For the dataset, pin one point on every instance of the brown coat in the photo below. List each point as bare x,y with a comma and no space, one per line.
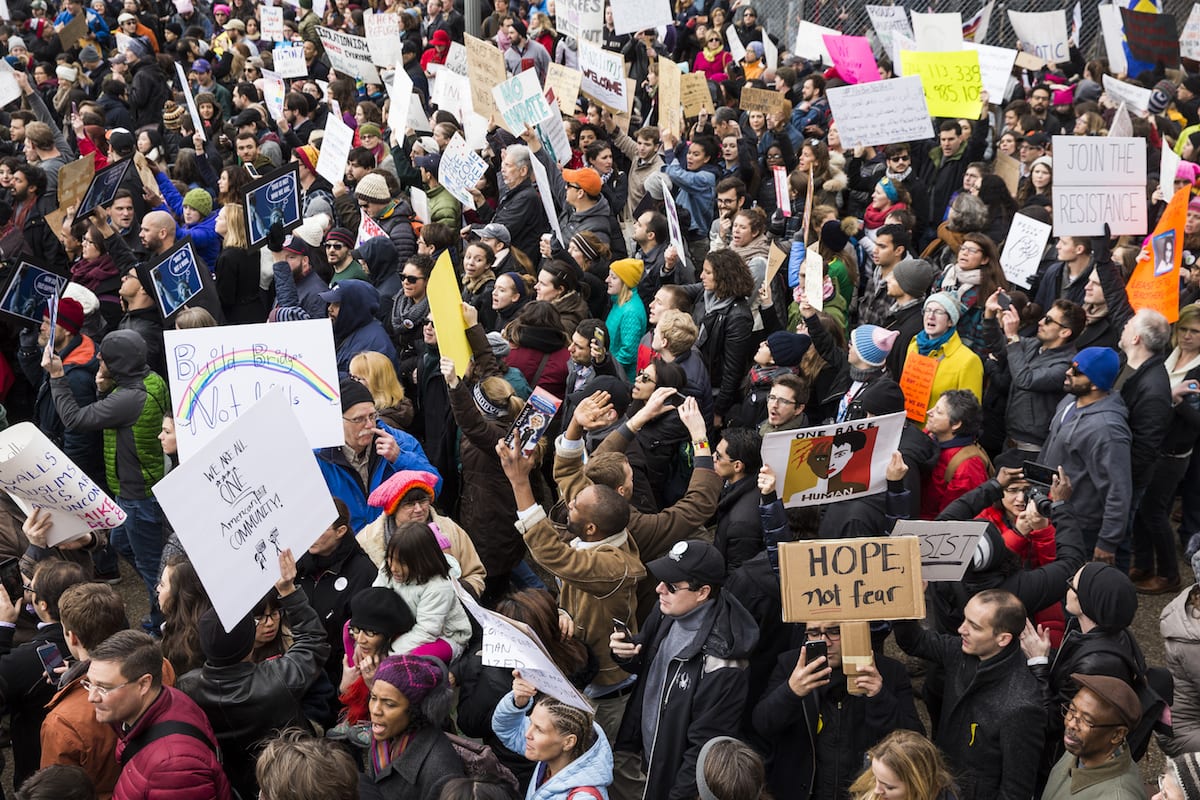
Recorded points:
370,539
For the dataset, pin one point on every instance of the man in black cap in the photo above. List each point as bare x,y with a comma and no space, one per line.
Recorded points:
523,53
246,702
443,206
297,285
691,661
1098,764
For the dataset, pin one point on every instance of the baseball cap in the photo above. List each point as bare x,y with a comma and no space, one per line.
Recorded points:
587,179
294,244
694,561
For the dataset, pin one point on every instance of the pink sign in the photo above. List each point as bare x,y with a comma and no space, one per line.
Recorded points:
853,58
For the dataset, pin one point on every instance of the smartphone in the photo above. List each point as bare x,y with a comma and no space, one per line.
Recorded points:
1039,473
252,170
815,650
598,338
620,627
1004,301
74,109
51,658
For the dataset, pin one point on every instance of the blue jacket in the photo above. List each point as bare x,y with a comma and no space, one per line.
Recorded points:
695,191
344,483
593,768
356,328
204,233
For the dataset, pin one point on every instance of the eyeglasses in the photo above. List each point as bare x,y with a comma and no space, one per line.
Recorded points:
831,634
103,691
642,377
683,587
365,419
714,41
899,158
355,631
28,588
1070,712
412,278
417,502
334,246
1049,320
262,619
1189,331
936,312
970,249
575,186
774,398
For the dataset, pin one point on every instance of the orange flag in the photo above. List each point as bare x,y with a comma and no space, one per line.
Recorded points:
1155,280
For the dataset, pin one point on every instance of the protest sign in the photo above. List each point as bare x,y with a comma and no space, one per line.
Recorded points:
274,92
631,16
533,421
565,83
1189,40
952,81
1168,165
1042,33
512,645
9,88
445,308
888,20
289,61
1112,30
881,112
249,494
946,547
456,59
216,374
543,184
520,101
766,101
451,92
36,474
1134,97
369,228
1023,249
74,177
916,382
348,54
995,69
103,188
810,41
197,123
830,463
583,19
485,68
1121,125
737,50
177,278
937,32
674,230
383,38
694,94
460,170
670,108
775,259
853,58
603,77
1151,36
335,149
975,28
1099,180
275,197
72,31
770,50
420,204
857,580
552,133
28,291
814,275
782,201
1155,280
272,23
475,128
143,170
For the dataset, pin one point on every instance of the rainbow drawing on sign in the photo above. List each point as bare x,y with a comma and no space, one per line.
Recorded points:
258,358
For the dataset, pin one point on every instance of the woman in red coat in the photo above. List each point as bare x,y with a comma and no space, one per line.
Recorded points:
953,423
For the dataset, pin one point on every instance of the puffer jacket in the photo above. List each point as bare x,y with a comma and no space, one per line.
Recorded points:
594,768
739,533
725,343
396,220
357,328
1182,634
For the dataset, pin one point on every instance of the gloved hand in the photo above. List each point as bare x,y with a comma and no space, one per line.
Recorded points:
275,237
1102,246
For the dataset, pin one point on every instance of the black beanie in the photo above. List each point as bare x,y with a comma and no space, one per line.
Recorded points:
353,393
882,396
223,649
381,610
1106,596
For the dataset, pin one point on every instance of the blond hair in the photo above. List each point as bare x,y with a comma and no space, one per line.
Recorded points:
915,760
678,330
380,376
235,225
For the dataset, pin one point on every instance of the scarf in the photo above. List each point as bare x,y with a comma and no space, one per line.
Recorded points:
714,304
473,285
1178,372
1095,312
962,282
926,345
384,753
898,176
874,217
714,55
759,247
412,313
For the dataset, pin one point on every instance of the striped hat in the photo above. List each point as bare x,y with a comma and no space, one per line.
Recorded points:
308,156
1186,769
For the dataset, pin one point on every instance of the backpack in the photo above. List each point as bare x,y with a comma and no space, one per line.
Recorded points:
480,762
970,451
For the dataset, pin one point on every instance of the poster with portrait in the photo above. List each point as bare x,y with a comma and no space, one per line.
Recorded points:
29,290
533,420
177,278
103,188
275,197
832,463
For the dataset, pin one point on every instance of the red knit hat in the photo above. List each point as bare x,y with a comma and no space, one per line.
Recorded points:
392,491
308,156
70,315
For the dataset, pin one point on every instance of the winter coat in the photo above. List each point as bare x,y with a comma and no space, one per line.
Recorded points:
1116,779
148,93
1147,395
237,275
909,321
205,240
444,207
24,693
176,765
943,175
600,219
528,360
739,532
439,613
471,571
626,323
356,329
396,220
725,344
1037,381
427,764
970,472
694,191
1182,634
329,583
593,768
520,210
958,368
71,735
572,309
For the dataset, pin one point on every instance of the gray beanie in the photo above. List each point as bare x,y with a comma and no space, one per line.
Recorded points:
949,302
914,275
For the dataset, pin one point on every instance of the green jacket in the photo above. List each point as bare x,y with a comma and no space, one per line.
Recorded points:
1116,779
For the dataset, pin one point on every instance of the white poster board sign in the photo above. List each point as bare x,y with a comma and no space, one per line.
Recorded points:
770,51
9,90
631,16
737,50
1168,165
383,38
451,92
543,184
1099,180
335,149
1189,40
460,170
946,547
420,204
1112,27
673,227
274,93
1042,33
582,19
216,374
400,91
1135,98
247,495
995,69
289,61
881,112
1121,125
36,474
810,41
272,23
197,123
1023,249
937,32
604,77
349,55
888,20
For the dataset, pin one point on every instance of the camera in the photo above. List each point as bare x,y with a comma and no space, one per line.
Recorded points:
1037,496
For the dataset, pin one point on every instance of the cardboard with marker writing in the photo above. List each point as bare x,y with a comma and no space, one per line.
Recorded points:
863,579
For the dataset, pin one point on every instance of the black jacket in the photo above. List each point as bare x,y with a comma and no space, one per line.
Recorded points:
330,582
818,742
1147,395
725,343
520,210
24,693
427,764
148,93
908,321
704,696
739,531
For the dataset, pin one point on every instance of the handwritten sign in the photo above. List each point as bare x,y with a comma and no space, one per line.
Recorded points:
946,547
952,81
335,149
916,381
565,83
451,92
1099,180
853,58
485,68
582,19
75,29
603,77
250,493
74,178
1023,249
1134,97
1042,33
830,463
670,106
460,170
887,21
383,38
348,54
881,112
631,16
995,69
814,276
694,94
216,374
1189,40
858,580
937,32
289,61
272,23
765,101
520,101
36,474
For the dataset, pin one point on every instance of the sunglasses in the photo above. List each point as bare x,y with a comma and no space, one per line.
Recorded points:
334,246
672,588
412,278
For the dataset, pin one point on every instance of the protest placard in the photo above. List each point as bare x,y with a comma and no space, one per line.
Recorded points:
937,32
451,92
1023,249
975,28
272,23
215,374
814,275
583,19
72,31
1042,33
74,177
674,230
853,58
456,59
995,69
103,188
1154,283
830,463
520,101
274,92
1121,125
1189,40
36,474
810,41
1099,180
420,204
1134,97
552,133
348,54
565,83
275,197
369,228
252,492
770,50
9,88
28,290
857,580
737,50
289,61
543,183
460,170
881,112
694,94
952,81
512,645
335,149
475,129
632,16
197,123
946,547
766,101
603,77
1168,165
485,68
445,308
177,278
383,38
1151,36
888,20
775,260
1112,31
670,108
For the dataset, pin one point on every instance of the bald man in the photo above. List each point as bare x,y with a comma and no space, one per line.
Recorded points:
157,233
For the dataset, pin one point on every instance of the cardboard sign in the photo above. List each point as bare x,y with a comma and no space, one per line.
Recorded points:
383,38
853,57
603,77
1043,34
289,61
543,183
485,68
1134,97
775,260
250,493
810,41
946,547
1023,249
335,149
766,101
275,197
858,580
1009,170
72,32
937,32
995,69
952,81
1151,37
1189,40
103,188
176,278
694,94
631,16
565,83
582,19
1099,180
1155,280
831,463
887,21
445,308
36,474
349,55
29,289
520,101
670,107
216,374
881,112
74,177
916,381
460,170
272,23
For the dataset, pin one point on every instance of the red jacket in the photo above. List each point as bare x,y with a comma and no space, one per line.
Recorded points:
938,494
175,767
1035,550
554,375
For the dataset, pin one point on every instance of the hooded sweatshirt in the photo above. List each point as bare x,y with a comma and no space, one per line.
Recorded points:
593,768
356,328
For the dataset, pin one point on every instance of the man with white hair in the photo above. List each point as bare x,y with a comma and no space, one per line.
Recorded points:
520,208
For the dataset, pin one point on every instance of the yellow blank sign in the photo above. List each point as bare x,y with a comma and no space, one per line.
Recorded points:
445,306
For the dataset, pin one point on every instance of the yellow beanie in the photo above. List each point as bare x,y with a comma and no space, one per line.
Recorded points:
629,270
